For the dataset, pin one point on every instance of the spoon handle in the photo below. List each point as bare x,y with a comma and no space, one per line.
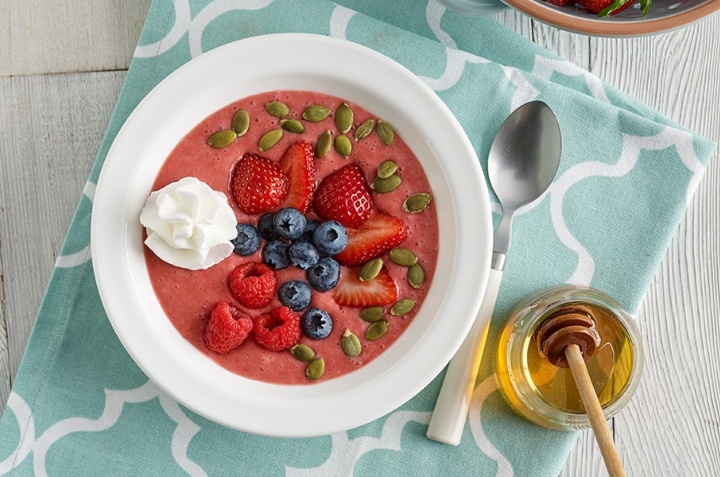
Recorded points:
448,418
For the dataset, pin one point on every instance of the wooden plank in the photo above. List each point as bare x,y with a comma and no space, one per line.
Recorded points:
47,36
5,38
51,127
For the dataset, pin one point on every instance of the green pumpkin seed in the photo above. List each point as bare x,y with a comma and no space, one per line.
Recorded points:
377,330
383,186
292,125
364,130
222,138
315,113
403,256
402,307
344,118
416,276
241,122
277,108
323,144
370,270
385,132
315,369
372,314
269,139
302,352
350,344
417,203
343,146
386,169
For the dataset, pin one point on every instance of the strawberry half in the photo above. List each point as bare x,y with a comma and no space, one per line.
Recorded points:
344,196
258,184
381,290
298,163
378,234
227,329
606,7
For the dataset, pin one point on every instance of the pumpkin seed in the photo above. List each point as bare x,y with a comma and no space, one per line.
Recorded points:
315,369
269,139
385,132
315,113
222,138
350,344
302,352
241,122
372,314
403,256
323,144
370,270
416,276
292,125
402,307
377,330
386,169
343,146
417,203
344,118
364,130
277,109
383,186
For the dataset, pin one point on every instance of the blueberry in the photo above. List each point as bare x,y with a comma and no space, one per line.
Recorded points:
316,323
295,295
303,255
289,223
265,226
275,254
325,275
247,241
330,238
310,227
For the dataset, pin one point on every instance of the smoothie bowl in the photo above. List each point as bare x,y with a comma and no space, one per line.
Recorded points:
344,240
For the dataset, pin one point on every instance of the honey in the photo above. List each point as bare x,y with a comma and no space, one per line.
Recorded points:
547,394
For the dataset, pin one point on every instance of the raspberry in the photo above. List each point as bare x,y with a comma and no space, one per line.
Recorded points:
253,284
278,329
227,329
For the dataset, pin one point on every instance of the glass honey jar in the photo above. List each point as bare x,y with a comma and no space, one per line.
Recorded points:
546,394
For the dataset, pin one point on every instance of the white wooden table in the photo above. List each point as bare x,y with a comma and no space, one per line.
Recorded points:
63,62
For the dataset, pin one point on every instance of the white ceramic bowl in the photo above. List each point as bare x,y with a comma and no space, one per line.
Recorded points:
299,62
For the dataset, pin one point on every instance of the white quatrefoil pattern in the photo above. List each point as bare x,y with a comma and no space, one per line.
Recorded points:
80,406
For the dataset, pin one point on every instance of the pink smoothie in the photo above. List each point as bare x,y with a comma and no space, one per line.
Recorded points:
188,296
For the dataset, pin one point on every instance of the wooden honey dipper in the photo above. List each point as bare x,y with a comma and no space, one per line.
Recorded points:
567,338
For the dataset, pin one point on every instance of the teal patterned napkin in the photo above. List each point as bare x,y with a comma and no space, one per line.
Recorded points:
80,405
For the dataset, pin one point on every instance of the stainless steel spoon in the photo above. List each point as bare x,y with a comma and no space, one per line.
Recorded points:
522,163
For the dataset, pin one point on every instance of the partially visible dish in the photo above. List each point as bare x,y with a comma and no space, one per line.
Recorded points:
661,15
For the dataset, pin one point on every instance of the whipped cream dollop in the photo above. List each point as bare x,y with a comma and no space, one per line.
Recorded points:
189,224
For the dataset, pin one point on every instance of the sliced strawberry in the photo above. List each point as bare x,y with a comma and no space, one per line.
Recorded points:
606,7
253,284
227,329
381,290
298,163
278,329
258,184
379,234
344,196
559,3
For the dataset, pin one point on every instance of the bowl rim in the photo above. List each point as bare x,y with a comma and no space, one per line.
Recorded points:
539,10
179,368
